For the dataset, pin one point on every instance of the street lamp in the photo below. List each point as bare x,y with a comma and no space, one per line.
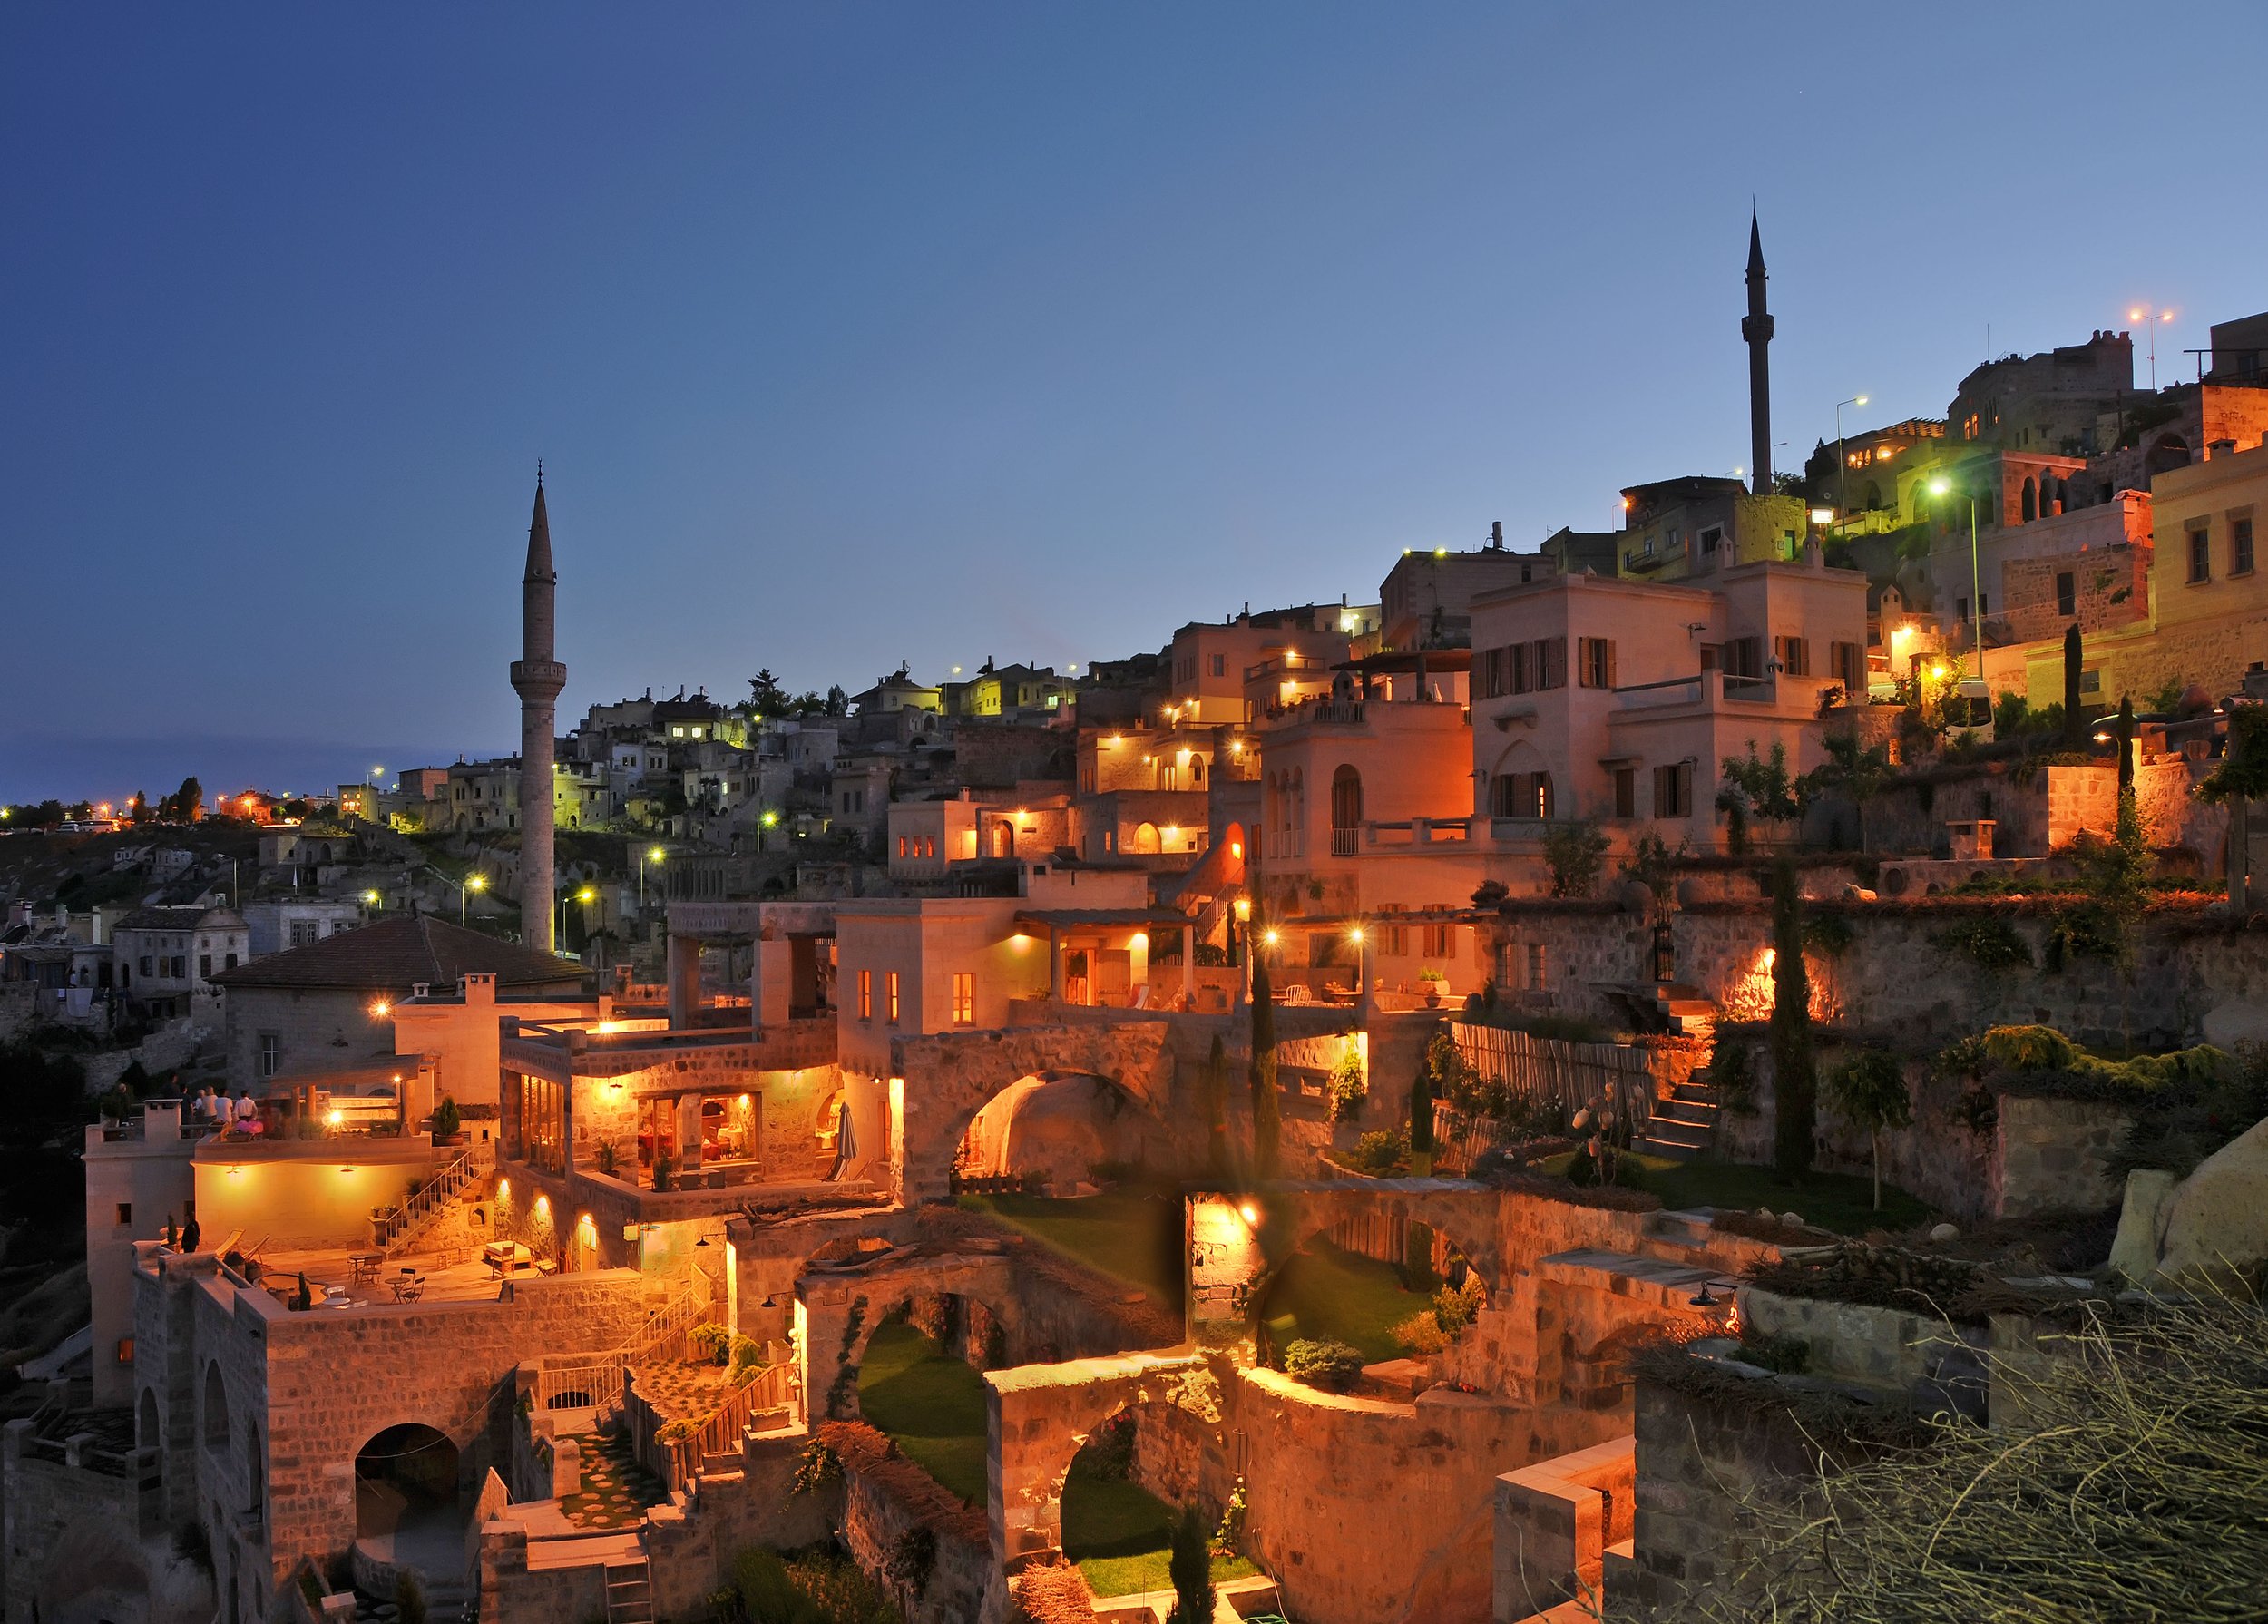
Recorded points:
652,854
2150,318
475,881
1843,460
1939,487
371,899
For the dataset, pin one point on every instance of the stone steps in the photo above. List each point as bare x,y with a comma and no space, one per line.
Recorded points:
1652,1280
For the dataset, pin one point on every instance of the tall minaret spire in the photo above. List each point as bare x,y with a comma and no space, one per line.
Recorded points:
539,677
1756,328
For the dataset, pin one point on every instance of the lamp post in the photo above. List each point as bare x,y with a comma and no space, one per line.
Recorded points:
652,854
1939,487
1843,463
2150,316
587,895
474,880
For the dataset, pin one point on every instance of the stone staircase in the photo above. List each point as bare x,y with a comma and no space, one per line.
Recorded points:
449,1184
1682,1127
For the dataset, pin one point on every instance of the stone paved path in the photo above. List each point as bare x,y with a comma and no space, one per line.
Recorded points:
616,1490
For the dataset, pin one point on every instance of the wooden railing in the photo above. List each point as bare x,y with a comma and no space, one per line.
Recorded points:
663,1336
1615,1076
771,1388
398,1227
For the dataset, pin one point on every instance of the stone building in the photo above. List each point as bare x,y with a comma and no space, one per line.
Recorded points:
170,960
333,998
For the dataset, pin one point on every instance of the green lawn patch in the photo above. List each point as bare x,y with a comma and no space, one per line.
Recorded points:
1133,1235
1335,1293
1842,1202
931,1405
1118,1533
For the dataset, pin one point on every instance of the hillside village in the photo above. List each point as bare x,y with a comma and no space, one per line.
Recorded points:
1492,1096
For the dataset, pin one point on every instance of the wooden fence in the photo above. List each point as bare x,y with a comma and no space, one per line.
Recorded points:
1614,1077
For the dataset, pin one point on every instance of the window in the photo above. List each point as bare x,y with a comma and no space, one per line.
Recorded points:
1795,653
204,967
2091,681
228,961
1523,794
964,999
125,1214
1625,792
1849,662
866,995
2200,556
1711,539
894,997
1744,657
270,1052
142,964
1440,941
1393,941
1220,665
1595,661
2241,546
2067,594
1524,667
1672,791
542,1113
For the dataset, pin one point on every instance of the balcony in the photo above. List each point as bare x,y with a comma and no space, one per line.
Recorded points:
1344,843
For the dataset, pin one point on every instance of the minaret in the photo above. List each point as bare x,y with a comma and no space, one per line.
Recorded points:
538,678
1756,328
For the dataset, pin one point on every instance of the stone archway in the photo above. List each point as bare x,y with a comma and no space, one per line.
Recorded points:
1038,1417
1048,1131
409,1504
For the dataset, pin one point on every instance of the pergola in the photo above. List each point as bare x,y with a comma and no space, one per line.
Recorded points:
1068,929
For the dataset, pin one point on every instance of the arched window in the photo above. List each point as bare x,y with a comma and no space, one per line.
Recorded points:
1146,839
2030,502
1346,799
147,1427
216,1431
1874,494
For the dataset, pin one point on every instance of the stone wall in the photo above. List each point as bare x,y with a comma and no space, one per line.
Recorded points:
887,1499
1921,1357
70,1543
2055,1154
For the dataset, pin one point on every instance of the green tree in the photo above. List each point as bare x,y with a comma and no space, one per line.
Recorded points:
188,800
2241,779
1859,770
1869,1088
1760,789
1268,1129
1794,1077
1575,852
1422,1119
1217,1107
2074,657
1190,1567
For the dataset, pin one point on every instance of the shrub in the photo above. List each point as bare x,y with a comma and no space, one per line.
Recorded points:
1189,1565
1988,944
1575,852
1322,1362
816,1468
911,1559
1454,1306
1420,1334
1870,1089
747,1353
676,1432
409,1598
710,1340
447,1119
1378,1153
1350,1082
1732,1072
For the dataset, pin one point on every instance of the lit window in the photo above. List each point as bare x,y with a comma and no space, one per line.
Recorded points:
964,999
866,995
894,998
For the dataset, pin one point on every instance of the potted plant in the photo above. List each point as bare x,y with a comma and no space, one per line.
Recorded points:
1433,984
447,1122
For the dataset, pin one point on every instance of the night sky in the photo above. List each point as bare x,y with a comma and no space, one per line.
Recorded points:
850,334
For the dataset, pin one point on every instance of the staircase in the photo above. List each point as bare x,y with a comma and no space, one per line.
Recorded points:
1683,1126
397,1231
1686,1011
629,1592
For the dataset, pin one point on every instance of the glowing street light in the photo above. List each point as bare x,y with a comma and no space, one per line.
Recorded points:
2152,318
475,881
371,899
652,854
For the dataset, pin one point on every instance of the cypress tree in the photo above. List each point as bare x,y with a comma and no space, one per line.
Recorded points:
1794,1077
1268,1129
1190,1567
2074,729
1217,1107
1422,1119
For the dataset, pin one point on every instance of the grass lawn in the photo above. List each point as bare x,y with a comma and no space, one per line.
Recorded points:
1842,1202
1131,1234
1337,1293
932,1404
1117,1532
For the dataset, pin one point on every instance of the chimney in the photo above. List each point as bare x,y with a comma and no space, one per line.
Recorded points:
1496,535
2219,448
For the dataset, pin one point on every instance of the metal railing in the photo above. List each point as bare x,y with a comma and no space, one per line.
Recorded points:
719,1433
1345,842
404,1223
581,1380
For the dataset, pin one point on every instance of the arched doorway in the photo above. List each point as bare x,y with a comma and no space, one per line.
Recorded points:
407,1498
1048,1133
1146,839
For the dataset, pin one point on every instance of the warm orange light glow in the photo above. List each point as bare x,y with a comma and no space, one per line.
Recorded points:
381,1010
1355,935
1269,938
1250,1213
1235,848
335,1118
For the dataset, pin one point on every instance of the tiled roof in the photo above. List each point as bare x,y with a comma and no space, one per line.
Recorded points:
395,954
164,919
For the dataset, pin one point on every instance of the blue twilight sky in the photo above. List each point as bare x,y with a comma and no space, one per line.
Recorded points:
851,333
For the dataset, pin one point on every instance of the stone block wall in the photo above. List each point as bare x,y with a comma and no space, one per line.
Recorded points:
1916,1355
887,1499
2056,1154
69,1549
